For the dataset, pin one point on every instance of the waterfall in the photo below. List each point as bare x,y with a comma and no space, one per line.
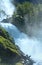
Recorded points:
6,9
31,46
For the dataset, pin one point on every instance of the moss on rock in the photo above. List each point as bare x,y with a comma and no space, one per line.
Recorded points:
9,53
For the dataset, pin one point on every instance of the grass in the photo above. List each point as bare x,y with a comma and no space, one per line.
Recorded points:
5,34
8,50
8,45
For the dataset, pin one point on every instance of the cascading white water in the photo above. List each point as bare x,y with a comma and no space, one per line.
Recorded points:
30,46
7,7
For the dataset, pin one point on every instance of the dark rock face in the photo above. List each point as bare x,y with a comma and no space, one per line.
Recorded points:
5,20
7,56
36,1
33,1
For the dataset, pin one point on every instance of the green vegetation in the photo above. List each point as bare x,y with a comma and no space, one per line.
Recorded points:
33,12
5,34
19,63
10,54
27,14
6,44
8,50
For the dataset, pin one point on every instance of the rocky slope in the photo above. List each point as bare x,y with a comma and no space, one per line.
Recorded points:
8,50
10,54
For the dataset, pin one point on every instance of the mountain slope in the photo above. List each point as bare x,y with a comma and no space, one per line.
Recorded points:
10,54
8,50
